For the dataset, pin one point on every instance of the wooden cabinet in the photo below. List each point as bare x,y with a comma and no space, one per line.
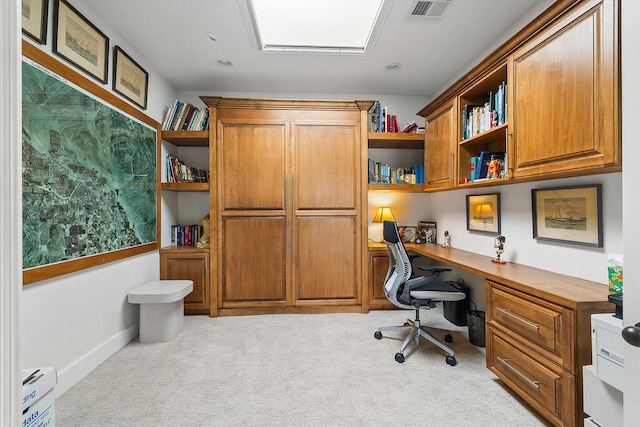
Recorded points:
565,116
406,142
441,147
289,205
189,262
184,263
378,268
562,77
537,342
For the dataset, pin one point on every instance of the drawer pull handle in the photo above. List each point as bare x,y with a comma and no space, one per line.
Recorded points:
536,326
536,384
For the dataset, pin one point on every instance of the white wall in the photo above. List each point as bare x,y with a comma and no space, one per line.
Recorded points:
77,321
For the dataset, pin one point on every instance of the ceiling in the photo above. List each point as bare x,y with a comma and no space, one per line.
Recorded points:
171,36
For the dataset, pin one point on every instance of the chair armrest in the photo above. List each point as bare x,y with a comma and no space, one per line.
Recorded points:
434,269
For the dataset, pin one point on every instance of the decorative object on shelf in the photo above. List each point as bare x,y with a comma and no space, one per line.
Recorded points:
447,240
204,241
80,42
498,245
483,213
408,233
427,232
34,19
568,214
129,79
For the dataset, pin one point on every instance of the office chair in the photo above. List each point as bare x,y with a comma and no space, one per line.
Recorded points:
410,292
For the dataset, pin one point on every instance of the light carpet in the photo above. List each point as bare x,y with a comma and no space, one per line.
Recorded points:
293,370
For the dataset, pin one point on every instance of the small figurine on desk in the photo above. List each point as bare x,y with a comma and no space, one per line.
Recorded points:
499,247
447,240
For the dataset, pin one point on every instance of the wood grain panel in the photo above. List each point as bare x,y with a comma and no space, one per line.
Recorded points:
253,259
188,266
440,143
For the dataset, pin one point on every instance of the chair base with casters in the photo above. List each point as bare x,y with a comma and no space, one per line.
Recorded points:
415,331
411,292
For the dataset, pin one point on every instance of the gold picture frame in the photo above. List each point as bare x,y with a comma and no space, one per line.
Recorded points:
483,213
80,42
34,19
568,214
129,79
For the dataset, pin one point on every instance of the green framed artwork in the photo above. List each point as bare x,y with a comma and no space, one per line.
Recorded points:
89,177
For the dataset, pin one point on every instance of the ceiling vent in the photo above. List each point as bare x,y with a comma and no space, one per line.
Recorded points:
429,11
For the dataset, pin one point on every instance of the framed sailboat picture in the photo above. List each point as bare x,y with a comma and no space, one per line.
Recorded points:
568,214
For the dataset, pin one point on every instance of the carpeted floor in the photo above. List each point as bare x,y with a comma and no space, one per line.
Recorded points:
293,370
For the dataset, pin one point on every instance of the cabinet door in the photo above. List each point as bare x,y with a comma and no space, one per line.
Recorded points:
189,266
326,260
378,268
252,164
327,165
253,261
440,143
565,95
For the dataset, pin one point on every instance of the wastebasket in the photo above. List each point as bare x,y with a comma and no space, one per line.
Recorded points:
455,311
475,321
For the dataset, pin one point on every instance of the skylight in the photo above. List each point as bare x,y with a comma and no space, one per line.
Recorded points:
337,26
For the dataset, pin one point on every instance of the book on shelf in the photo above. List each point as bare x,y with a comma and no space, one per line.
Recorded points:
487,159
185,235
178,171
381,121
185,116
479,118
384,174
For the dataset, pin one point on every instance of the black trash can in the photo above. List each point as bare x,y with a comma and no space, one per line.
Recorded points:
475,320
456,311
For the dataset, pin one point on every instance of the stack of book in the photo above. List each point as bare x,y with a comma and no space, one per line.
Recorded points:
181,116
381,121
479,118
178,171
185,235
384,174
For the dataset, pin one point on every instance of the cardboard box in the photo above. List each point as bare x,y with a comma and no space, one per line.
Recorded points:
36,383
614,267
41,413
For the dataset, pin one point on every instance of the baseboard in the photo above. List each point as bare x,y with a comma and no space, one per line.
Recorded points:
71,375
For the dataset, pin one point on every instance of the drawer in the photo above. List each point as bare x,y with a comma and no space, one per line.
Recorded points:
545,387
532,319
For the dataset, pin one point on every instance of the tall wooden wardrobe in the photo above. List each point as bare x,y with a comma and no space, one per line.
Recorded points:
289,205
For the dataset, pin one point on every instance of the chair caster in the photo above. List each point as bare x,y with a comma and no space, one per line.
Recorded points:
450,360
377,335
448,338
400,358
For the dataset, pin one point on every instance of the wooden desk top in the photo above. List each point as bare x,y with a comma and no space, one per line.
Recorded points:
559,288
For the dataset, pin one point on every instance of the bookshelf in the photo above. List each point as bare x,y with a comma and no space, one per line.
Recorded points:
413,143
483,125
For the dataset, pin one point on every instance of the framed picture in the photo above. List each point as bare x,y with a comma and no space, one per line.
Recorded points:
129,79
568,214
34,19
483,213
427,232
408,233
79,41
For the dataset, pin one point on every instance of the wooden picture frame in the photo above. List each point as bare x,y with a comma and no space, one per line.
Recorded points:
427,232
483,213
80,42
129,79
34,19
568,214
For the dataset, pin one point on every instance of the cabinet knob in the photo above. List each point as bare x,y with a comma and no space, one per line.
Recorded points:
631,334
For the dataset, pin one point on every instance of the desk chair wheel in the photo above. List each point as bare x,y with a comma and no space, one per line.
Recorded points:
451,361
400,358
377,335
448,338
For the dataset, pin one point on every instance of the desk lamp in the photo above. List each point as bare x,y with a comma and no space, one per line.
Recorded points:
383,214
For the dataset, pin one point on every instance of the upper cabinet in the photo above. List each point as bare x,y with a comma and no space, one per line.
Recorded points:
440,147
544,105
565,86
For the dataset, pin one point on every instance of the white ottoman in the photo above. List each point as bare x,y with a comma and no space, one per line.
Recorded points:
161,308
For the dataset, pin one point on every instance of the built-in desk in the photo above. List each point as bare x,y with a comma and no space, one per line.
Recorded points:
538,329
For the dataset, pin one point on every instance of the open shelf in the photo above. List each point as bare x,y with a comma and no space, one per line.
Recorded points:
407,188
396,140
187,138
185,186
